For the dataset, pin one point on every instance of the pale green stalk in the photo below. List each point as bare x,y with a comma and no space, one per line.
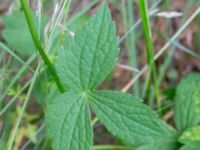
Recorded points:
164,48
16,77
14,132
167,59
128,19
39,47
110,147
149,50
4,47
11,101
65,8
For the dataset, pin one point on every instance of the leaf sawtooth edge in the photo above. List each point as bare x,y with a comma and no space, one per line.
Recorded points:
88,58
68,122
129,119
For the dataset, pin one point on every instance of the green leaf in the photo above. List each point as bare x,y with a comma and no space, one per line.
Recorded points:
191,146
190,135
17,34
88,58
45,89
187,102
68,122
82,64
166,145
128,118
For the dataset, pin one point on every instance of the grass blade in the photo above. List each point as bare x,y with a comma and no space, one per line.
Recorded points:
149,49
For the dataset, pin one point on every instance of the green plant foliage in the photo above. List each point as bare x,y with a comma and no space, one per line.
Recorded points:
83,64
89,57
190,135
68,122
165,145
16,33
191,146
187,103
45,89
128,118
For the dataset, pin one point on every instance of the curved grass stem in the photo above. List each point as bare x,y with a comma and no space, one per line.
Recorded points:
149,50
33,32
10,145
110,147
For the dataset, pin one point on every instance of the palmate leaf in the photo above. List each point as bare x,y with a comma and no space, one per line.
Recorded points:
68,122
88,58
187,103
127,118
82,64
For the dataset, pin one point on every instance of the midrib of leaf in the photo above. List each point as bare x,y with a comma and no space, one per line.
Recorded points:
87,78
150,129
135,122
70,70
80,70
76,120
108,29
96,39
95,52
105,56
64,120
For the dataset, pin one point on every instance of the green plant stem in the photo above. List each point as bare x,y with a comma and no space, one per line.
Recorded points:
152,12
11,101
164,48
33,32
132,49
150,50
4,47
110,147
20,72
58,19
24,147
23,109
128,20
172,49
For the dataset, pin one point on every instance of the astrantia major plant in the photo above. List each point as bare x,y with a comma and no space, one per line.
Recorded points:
82,64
